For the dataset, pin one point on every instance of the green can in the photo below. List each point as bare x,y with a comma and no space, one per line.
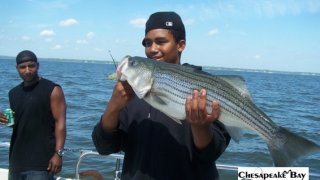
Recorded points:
9,114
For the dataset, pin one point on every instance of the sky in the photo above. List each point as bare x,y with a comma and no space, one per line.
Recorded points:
281,35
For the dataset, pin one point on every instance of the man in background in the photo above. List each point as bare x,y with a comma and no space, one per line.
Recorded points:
39,129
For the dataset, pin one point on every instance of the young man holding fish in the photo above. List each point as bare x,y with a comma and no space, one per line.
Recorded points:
155,146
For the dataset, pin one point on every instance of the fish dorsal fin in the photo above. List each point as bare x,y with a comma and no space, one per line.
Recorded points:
237,82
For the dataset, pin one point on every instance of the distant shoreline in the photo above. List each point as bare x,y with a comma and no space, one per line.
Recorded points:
204,67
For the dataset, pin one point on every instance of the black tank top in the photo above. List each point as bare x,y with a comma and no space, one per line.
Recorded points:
33,140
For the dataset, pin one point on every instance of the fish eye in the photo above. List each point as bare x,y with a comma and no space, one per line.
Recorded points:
133,62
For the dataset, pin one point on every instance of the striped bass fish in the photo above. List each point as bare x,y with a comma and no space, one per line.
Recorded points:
166,86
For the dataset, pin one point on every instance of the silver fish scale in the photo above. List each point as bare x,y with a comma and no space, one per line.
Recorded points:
177,82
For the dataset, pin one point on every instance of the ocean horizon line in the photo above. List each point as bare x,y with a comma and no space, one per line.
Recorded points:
204,67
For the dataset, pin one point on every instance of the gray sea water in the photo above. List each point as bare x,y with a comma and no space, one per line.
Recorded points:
292,100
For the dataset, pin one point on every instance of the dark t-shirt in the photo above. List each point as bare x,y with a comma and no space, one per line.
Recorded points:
33,140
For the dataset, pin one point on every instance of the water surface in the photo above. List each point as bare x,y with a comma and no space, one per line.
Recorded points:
290,100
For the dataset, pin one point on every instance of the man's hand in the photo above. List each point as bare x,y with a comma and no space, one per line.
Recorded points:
3,119
122,94
55,164
200,119
196,111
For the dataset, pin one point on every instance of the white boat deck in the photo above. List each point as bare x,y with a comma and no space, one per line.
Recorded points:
4,173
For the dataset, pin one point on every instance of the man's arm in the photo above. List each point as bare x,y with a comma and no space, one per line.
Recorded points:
121,96
106,135
200,119
58,108
208,138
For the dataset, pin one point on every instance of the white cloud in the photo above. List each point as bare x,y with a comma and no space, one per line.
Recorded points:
57,46
120,41
188,21
82,41
25,38
213,32
257,56
69,22
99,49
139,22
48,39
258,8
90,35
47,33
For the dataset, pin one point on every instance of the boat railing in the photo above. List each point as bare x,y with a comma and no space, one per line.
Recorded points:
85,153
119,158
118,161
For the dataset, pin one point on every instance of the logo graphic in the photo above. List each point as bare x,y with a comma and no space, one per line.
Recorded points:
169,23
273,173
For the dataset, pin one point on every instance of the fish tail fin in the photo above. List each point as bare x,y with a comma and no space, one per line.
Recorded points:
290,147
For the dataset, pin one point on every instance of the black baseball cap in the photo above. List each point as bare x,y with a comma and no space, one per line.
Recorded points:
166,20
25,56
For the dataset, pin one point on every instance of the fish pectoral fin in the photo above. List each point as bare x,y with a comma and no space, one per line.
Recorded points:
176,120
158,99
235,133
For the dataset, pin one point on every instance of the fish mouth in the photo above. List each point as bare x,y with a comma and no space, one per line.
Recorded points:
123,62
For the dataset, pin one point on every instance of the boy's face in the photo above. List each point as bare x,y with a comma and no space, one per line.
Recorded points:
161,45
